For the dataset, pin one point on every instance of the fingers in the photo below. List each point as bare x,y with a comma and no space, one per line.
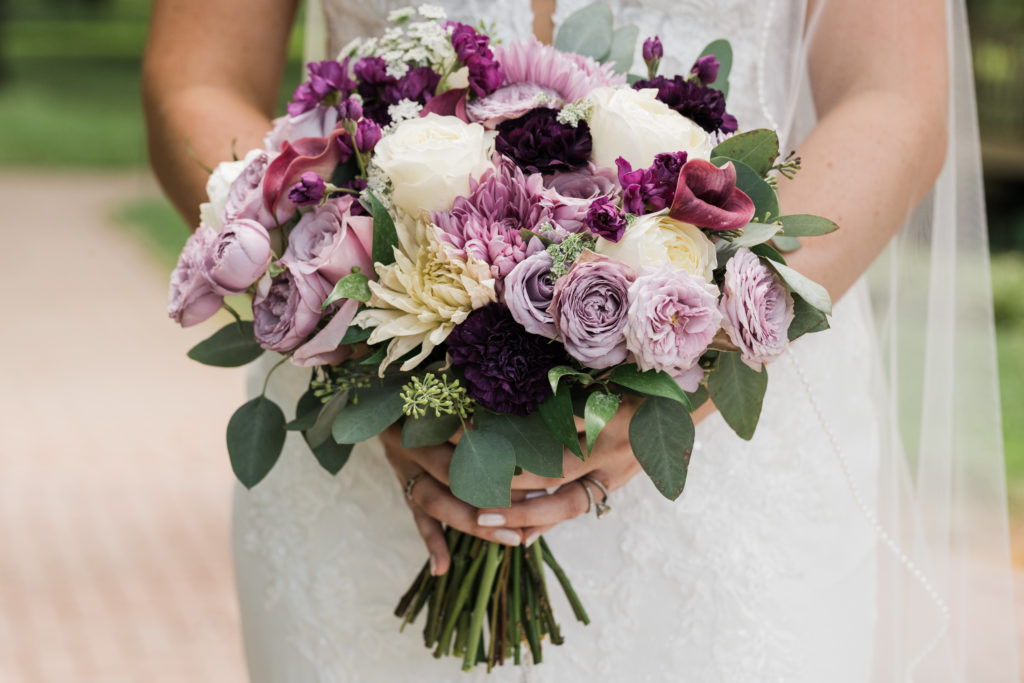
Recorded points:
569,501
435,500
533,533
433,535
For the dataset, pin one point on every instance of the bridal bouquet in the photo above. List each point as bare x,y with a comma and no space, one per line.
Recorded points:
496,239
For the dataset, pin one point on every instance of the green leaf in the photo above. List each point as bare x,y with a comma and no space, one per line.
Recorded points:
766,202
811,291
785,243
699,397
429,430
556,412
806,225
651,382
587,31
807,319
722,51
255,437
376,357
661,435
768,252
556,373
756,233
369,411
758,149
481,469
229,347
623,47
737,392
352,286
332,456
355,334
599,411
536,449
385,237
320,432
306,412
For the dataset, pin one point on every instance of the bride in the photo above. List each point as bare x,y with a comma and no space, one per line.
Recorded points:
842,543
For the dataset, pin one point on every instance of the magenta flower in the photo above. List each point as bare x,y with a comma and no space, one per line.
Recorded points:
191,299
707,196
756,307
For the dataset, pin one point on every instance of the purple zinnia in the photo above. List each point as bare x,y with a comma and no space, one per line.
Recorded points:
506,367
646,190
701,104
605,219
538,143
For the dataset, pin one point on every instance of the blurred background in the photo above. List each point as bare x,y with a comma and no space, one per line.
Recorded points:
114,530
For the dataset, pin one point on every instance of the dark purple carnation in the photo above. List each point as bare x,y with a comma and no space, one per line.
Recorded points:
646,190
538,143
506,367
706,69
605,219
309,189
703,105
326,78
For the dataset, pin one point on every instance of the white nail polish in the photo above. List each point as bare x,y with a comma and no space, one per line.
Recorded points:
530,495
532,538
491,519
433,565
506,536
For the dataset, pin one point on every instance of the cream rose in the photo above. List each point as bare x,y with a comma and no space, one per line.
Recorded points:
635,125
218,186
430,160
656,239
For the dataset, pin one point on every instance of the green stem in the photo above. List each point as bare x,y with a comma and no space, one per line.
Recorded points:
461,635
406,600
271,372
425,589
570,592
460,600
530,622
483,596
433,627
517,608
227,307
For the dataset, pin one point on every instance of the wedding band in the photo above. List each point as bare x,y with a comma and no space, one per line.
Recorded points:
410,482
601,507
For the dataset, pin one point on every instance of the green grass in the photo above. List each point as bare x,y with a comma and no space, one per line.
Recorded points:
155,224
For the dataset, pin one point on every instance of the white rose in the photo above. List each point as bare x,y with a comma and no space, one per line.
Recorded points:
656,239
430,160
635,125
211,213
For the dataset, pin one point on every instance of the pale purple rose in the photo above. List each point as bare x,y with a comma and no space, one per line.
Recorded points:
528,291
571,194
325,346
672,318
330,241
589,308
757,309
510,102
286,309
238,257
315,123
245,198
191,299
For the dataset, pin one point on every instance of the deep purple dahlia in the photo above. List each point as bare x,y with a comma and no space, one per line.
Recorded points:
506,367
703,105
538,143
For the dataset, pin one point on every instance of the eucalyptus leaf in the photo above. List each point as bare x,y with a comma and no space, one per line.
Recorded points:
229,347
722,51
556,374
369,411
806,225
331,455
255,437
536,449
808,289
650,383
556,411
758,149
806,319
600,409
623,47
661,435
355,334
376,357
587,31
352,286
756,233
306,412
482,468
699,397
429,430
766,202
738,393
786,244
385,237
320,432
768,252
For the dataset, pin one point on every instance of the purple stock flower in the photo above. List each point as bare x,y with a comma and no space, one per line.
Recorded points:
756,307
652,54
467,41
473,50
367,135
703,105
380,90
538,143
506,367
325,78
605,219
647,190
572,193
350,110
528,291
706,69
309,189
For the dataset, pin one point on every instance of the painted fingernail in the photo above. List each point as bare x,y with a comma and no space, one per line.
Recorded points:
433,565
507,536
532,538
491,519
534,494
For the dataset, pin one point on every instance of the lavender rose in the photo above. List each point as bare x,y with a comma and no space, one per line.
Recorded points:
191,299
589,307
238,257
570,194
757,309
287,308
245,198
528,291
330,241
672,318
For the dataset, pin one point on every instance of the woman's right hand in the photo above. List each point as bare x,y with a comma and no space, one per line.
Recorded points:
432,502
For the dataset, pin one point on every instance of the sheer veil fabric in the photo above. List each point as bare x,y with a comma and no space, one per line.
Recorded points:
925,506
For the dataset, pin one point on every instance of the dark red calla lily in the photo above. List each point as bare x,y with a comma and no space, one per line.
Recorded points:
707,196
320,155
449,103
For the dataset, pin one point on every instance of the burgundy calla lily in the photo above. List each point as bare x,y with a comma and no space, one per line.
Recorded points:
319,155
449,103
707,196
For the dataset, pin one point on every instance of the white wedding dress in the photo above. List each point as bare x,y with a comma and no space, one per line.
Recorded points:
763,570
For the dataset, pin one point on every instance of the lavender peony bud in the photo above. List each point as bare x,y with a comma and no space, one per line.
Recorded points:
191,299
589,307
309,190
286,309
652,54
528,291
331,241
605,219
706,69
757,309
238,257
672,318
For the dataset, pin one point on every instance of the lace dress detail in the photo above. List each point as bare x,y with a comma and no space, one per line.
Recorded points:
762,571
